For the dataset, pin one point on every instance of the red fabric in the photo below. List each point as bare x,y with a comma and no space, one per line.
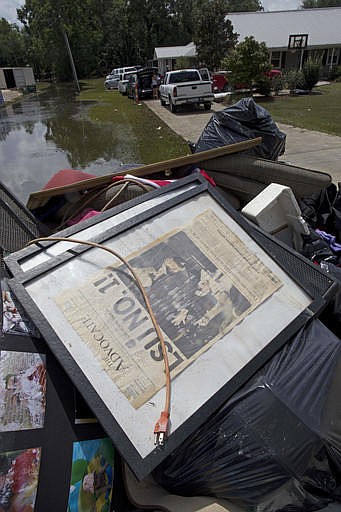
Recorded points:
83,215
207,177
66,177
162,183
117,178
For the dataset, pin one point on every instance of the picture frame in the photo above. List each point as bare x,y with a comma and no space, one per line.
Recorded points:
192,221
31,256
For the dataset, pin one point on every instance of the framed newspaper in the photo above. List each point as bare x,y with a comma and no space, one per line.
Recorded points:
91,229
226,297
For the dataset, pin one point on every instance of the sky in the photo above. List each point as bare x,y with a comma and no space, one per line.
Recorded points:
8,7
278,5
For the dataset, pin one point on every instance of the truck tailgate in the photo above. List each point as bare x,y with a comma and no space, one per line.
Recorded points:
192,89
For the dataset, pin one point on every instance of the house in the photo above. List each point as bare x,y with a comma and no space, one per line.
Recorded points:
292,36
17,78
166,56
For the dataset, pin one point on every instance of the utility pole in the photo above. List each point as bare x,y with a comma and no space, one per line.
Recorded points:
70,56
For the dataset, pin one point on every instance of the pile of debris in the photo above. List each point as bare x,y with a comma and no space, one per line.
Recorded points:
263,431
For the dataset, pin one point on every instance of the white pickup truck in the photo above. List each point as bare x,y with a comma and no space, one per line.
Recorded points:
186,86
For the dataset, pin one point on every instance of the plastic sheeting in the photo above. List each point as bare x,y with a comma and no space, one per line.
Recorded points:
243,121
323,210
331,316
276,444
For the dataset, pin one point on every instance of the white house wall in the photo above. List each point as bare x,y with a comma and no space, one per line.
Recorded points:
19,77
23,77
274,28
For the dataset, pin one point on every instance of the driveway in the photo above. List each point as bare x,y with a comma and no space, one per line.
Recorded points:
312,150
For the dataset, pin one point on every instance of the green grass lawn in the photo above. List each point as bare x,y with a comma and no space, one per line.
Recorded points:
153,139
320,112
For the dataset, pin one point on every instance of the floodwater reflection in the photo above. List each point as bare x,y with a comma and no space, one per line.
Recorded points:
51,131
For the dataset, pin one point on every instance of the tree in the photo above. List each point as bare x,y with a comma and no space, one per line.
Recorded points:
45,22
149,26
244,5
311,72
311,4
213,34
181,22
248,62
12,45
102,33
117,47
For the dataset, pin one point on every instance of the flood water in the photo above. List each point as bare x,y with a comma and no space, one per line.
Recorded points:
47,132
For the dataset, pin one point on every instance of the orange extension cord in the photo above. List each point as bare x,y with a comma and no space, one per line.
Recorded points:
162,425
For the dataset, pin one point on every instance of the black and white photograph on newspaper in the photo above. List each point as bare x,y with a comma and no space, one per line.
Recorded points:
223,303
201,281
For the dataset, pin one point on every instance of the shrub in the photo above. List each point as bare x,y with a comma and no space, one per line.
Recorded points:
247,62
230,99
335,73
277,84
311,73
185,62
263,86
293,79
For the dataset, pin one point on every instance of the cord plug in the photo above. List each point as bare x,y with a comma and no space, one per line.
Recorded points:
161,429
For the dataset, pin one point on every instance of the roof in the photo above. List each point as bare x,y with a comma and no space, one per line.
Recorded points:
172,52
16,67
274,28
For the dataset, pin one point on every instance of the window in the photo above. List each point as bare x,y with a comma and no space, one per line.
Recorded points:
184,76
204,74
333,56
276,59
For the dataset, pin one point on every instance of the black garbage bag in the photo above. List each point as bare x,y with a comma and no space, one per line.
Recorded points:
331,315
276,444
323,210
316,249
243,121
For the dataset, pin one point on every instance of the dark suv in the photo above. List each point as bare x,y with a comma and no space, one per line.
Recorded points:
142,79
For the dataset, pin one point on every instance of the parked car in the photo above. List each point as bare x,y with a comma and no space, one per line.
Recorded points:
142,81
124,80
273,73
115,71
220,82
186,86
112,80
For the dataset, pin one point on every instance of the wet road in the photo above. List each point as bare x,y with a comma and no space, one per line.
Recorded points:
50,131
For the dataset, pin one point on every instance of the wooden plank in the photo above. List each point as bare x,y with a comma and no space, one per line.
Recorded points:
39,198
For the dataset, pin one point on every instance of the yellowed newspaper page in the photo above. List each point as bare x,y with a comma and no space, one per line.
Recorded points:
201,280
